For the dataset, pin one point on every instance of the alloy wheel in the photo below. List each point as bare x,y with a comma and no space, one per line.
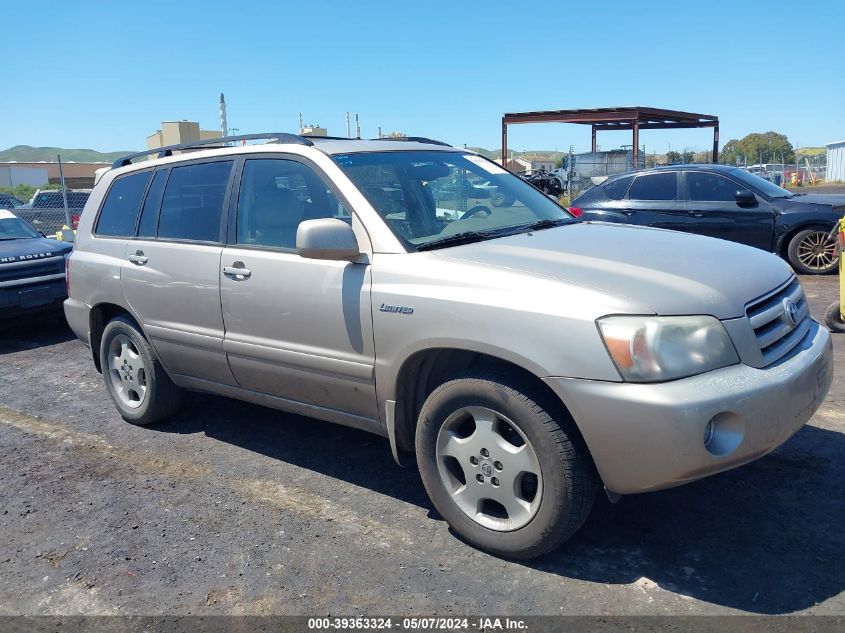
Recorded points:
817,251
127,371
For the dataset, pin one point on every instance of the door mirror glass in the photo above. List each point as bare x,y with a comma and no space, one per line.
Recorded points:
326,238
745,198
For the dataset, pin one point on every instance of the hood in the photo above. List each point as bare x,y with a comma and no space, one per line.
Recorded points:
663,272
32,249
831,200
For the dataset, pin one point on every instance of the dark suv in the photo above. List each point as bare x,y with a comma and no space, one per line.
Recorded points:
725,202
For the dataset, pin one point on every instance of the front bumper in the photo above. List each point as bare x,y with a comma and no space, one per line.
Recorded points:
651,436
16,300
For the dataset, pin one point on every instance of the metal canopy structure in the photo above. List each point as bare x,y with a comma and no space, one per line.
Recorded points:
633,118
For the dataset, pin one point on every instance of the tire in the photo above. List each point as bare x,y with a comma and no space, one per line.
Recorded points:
833,319
813,252
564,488
135,380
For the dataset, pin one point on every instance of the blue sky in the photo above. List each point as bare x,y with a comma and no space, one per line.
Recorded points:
104,74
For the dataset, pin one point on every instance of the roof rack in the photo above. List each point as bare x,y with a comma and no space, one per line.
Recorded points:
412,139
220,141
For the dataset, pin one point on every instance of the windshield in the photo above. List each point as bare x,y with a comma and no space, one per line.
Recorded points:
428,198
13,228
761,184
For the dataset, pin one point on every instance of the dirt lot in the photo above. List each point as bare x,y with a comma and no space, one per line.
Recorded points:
231,508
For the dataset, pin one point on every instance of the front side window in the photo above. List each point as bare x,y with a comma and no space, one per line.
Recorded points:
193,202
275,196
704,187
760,184
426,197
662,186
120,208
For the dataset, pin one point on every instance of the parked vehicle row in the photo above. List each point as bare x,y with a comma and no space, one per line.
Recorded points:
46,210
727,203
526,358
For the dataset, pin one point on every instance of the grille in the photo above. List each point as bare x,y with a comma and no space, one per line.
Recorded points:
776,334
37,268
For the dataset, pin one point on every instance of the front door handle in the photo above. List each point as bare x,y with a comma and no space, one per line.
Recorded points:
629,212
696,213
237,270
138,258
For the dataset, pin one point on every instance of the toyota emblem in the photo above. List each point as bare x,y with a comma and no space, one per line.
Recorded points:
791,311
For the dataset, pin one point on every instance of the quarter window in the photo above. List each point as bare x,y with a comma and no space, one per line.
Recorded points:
275,196
193,202
711,187
149,214
616,189
120,208
655,187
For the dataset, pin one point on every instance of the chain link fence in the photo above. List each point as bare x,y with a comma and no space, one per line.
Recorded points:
50,210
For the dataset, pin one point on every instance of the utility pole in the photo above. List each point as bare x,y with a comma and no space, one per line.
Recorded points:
379,131
348,133
224,127
300,122
64,192
357,127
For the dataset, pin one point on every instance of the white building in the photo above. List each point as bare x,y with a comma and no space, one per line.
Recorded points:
835,162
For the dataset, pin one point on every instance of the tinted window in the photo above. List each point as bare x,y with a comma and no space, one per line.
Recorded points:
704,186
655,187
149,214
616,190
193,202
275,196
120,209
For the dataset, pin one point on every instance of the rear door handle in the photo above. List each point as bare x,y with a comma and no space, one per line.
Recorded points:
138,258
237,270
696,213
629,212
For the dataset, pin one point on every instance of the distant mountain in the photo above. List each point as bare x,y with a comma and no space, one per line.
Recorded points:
528,154
28,154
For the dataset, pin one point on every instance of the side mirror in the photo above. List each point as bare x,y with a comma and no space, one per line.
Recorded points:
745,198
326,238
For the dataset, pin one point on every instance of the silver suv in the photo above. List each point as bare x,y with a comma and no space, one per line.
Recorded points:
423,293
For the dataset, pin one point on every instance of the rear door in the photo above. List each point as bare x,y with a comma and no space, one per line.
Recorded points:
171,276
712,210
653,199
296,328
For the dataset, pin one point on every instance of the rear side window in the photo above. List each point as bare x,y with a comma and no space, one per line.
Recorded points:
616,190
655,187
120,208
193,202
711,187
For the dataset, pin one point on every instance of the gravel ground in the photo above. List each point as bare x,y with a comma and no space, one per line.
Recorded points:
232,508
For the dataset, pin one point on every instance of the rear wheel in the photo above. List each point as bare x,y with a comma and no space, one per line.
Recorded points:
500,468
813,252
137,383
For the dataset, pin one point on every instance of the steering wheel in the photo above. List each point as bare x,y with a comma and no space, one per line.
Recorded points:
477,210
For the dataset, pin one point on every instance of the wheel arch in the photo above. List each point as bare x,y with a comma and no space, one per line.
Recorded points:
424,370
98,318
786,238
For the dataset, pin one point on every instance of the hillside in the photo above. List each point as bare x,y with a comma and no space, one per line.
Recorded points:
26,153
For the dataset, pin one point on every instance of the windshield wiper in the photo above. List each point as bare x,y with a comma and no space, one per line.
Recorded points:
546,224
465,237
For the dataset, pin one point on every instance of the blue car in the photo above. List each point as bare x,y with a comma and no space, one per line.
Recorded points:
32,268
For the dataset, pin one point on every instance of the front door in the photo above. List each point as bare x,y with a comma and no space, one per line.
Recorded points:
296,328
171,278
712,210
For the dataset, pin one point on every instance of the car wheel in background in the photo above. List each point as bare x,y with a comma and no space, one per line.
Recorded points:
500,468
813,252
833,318
137,383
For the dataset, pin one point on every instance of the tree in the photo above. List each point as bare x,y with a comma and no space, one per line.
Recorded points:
770,147
729,153
673,157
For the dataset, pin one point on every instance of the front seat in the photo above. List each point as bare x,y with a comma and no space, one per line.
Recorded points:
277,214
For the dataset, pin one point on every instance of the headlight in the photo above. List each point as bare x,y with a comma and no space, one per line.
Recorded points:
654,348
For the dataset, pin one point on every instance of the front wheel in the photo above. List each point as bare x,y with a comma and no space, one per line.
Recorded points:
137,383
500,468
813,252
